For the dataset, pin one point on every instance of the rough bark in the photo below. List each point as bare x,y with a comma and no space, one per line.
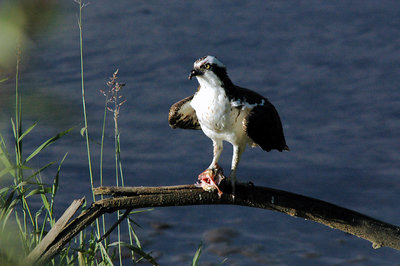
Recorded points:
377,232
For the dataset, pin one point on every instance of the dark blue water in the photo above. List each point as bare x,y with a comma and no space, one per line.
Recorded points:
331,68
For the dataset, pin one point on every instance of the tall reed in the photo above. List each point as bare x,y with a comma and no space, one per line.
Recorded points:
28,226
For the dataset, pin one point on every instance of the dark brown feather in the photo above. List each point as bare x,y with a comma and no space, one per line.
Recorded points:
264,127
182,115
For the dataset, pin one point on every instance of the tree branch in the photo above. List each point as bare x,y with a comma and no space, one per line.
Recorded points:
377,232
53,233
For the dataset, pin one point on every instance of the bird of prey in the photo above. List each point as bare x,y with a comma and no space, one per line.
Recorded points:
226,112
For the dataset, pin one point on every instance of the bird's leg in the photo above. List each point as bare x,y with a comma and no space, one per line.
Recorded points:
237,152
217,153
212,176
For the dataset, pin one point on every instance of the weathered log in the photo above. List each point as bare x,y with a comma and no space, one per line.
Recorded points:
377,232
58,227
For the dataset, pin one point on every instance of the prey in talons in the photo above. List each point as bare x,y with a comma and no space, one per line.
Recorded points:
210,179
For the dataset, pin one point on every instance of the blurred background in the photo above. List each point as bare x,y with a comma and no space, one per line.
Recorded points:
331,68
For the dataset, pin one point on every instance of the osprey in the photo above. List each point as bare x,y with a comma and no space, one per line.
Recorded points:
226,112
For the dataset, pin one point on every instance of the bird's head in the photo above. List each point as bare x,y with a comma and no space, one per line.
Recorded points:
208,67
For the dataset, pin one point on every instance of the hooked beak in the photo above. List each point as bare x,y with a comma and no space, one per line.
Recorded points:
194,72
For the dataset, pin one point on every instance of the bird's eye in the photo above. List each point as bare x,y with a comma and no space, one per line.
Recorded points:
207,66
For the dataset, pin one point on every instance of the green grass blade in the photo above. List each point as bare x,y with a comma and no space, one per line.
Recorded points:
4,191
42,230
5,159
39,191
54,188
105,254
40,170
140,211
46,143
134,235
9,203
137,250
21,184
22,232
135,223
7,170
4,218
37,215
27,131
14,129
46,203
223,261
197,255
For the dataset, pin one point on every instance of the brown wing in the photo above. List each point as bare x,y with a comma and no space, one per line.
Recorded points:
264,127
182,115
